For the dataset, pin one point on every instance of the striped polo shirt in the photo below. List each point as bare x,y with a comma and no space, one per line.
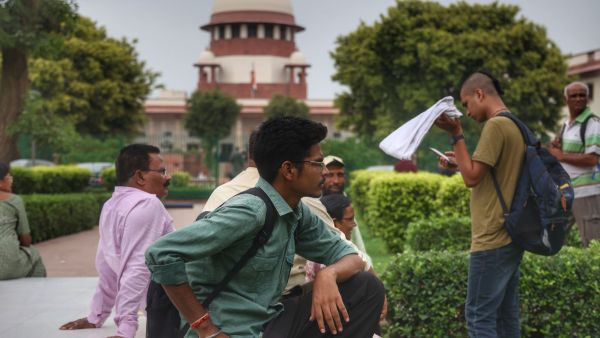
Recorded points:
586,180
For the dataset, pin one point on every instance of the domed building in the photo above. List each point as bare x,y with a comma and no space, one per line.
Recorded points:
252,56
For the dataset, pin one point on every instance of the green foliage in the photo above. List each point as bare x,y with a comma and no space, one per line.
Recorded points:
109,178
573,239
95,81
358,190
559,294
52,216
454,197
50,180
210,116
357,154
188,193
180,179
94,149
421,51
395,201
286,106
439,234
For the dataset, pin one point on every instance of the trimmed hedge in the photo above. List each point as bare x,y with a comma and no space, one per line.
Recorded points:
395,201
52,216
453,197
180,179
359,188
50,180
109,178
188,193
439,234
560,295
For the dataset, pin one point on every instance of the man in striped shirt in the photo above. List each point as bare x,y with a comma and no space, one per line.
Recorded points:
578,151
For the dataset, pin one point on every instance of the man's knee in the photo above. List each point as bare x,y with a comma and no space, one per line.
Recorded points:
368,282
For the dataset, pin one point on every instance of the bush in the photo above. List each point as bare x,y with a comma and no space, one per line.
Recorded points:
453,197
50,180
560,295
180,179
188,193
395,201
359,188
439,234
109,178
51,216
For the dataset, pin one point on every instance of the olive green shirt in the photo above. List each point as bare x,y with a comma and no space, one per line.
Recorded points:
501,146
202,253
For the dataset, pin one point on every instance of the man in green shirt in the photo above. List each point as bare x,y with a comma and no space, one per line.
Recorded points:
190,262
492,305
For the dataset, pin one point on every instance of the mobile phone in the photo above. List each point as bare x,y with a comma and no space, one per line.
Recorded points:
442,155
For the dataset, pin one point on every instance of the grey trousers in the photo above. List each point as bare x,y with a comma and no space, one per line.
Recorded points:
586,211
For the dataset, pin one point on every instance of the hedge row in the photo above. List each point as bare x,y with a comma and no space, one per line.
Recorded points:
188,193
109,179
50,180
52,216
560,295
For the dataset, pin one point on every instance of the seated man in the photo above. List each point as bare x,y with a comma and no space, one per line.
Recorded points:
131,220
190,262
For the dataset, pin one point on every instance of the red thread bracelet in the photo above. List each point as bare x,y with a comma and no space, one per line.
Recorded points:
199,321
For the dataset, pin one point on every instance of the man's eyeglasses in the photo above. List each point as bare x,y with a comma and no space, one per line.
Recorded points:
162,171
315,163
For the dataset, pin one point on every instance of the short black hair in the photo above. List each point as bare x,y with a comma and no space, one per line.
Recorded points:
131,158
4,170
251,142
484,80
282,139
335,205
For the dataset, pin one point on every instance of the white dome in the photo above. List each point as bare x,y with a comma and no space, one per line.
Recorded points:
280,6
297,58
206,57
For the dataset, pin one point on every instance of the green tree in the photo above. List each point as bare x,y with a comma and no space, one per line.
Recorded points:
25,25
286,106
96,81
421,51
210,116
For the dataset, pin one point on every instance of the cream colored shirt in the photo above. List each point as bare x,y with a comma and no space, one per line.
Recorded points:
247,179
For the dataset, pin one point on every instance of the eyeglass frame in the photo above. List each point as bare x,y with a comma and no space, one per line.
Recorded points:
162,171
315,163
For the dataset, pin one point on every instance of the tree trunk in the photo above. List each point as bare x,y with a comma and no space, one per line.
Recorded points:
14,83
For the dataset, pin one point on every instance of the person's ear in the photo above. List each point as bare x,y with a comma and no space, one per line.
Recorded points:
288,170
139,177
480,94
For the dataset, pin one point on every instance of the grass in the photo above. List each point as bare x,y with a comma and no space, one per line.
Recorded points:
375,248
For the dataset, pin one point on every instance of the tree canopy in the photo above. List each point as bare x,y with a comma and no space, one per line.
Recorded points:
210,116
421,51
96,81
280,105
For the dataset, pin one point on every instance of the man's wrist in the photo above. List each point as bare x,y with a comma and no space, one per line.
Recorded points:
455,138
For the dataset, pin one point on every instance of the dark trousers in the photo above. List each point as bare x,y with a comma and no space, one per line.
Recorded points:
363,297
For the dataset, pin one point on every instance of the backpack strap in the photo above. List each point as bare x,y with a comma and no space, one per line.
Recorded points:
499,192
584,127
261,238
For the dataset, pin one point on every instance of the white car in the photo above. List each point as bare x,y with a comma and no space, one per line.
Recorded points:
27,162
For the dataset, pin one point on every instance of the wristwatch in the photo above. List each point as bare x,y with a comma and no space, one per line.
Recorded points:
456,138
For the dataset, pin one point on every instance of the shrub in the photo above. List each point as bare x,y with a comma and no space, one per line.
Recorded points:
359,188
188,193
51,216
180,179
109,178
50,180
453,197
573,239
439,234
395,201
559,295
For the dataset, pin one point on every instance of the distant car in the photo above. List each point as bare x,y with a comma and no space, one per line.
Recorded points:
96,169
381,168
27,162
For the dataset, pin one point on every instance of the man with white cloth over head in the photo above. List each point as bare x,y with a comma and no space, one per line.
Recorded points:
403,142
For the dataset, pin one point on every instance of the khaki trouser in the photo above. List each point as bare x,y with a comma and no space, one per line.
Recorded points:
586,211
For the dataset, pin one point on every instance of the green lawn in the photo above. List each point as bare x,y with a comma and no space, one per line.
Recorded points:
375,248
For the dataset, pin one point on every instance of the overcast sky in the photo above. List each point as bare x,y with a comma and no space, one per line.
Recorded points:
170,41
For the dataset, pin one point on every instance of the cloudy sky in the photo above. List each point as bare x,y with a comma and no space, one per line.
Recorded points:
170,41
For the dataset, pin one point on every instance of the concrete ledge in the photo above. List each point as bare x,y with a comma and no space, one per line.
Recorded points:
37,307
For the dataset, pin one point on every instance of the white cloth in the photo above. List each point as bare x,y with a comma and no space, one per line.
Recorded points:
403,142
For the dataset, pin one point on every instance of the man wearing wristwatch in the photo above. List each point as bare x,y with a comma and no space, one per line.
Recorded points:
492,304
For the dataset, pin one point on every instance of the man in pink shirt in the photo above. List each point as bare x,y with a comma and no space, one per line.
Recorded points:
131,220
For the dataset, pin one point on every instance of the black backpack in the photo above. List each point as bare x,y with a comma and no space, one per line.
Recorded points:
538,219
163,320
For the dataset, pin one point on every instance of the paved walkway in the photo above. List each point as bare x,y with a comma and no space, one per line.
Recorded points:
36,307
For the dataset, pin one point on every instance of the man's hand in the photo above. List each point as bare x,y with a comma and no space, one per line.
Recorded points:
452,126
555,150
327,302
81,323
384,309
448,165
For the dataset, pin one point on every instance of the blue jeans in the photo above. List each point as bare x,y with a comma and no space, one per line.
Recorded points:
492,306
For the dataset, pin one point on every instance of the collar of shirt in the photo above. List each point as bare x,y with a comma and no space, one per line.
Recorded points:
280,204
587,112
